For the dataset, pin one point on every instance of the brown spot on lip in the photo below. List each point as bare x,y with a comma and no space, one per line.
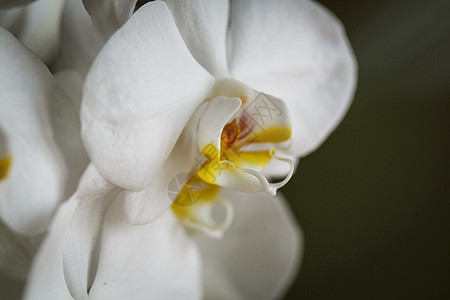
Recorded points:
230,134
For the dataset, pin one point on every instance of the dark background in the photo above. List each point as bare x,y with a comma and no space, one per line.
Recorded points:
373,200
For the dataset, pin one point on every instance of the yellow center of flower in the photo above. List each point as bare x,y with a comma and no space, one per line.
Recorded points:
5,165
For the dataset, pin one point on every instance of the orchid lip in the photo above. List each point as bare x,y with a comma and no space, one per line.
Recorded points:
238,132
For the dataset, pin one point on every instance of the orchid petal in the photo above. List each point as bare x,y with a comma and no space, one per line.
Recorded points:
134,262
66,254
203,26
267,118
93,196
109,15
46,277
216,114
142,207
81,40
134,104
36,25
32,103
258,255
154,261
297,51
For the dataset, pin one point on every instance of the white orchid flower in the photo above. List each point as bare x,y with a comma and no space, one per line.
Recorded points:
41,153
179,79
35,24
146,103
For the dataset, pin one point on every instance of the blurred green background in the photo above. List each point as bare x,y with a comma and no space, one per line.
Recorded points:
373,200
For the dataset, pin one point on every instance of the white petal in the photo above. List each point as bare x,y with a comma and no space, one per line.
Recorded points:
37,25
298,52
154,261
142,207
94,195
46,278
216,114
61,270
259,254
29,94
80,38
268,118
138,96
203,26
109,15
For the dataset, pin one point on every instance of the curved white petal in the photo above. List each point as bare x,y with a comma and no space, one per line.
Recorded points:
203,26
46,278
81,40
94,195
139,94
297,51
29,96
142,207
154,261
259,254
109,15
37,25
66,253
216,114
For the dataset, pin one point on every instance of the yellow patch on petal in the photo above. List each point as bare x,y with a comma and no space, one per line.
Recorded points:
212,169
249,160
5,165
211,152
272,135
192,191
194,209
